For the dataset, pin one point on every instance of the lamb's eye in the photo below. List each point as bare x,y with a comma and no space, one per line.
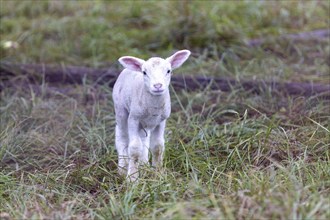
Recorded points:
144,73
168,71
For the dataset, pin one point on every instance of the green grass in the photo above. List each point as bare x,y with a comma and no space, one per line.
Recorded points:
96,33
234,155
225,161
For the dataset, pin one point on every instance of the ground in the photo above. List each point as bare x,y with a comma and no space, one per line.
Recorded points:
229,155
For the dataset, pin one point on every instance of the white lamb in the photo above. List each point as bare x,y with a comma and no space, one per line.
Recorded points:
142,105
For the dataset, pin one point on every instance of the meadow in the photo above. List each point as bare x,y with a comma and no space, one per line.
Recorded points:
229,155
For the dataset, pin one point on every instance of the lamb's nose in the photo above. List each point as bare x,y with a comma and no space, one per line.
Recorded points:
158,85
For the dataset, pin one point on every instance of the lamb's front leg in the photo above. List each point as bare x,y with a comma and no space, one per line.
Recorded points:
145,138
138,148
157,144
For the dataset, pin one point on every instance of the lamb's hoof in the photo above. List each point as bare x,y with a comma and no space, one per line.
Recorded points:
122,171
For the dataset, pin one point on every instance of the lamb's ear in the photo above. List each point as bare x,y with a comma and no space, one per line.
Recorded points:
131,63
177,59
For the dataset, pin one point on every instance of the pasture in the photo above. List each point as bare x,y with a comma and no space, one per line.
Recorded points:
232,154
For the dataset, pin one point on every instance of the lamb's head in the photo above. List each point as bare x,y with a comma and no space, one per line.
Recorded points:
156,71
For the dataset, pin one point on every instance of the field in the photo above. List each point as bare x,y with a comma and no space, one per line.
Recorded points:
229,155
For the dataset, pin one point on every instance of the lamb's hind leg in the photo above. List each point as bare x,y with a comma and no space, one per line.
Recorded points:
121,139
121,146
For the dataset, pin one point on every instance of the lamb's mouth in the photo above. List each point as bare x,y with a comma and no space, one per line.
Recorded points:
158,92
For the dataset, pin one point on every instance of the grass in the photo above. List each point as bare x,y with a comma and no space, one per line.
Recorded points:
235,155
225,161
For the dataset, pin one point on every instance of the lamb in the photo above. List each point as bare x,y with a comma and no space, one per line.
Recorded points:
142,104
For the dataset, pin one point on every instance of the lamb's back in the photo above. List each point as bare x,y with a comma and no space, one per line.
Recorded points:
127,87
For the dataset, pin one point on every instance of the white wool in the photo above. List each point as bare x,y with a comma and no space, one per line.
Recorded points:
142,105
